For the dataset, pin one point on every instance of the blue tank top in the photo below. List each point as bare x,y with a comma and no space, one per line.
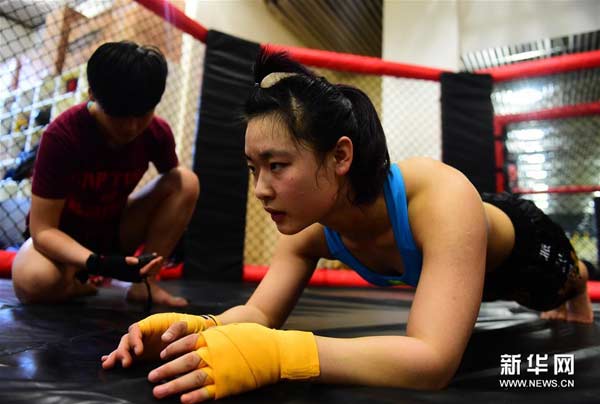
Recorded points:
395,200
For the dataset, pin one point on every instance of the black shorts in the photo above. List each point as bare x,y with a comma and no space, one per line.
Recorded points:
100,242
542,260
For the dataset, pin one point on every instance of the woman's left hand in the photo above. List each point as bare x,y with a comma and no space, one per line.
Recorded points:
195,383
232,359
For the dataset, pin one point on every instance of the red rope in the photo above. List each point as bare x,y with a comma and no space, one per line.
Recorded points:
563,189
568,111
349,278
543,67
321,277
173,15
356,63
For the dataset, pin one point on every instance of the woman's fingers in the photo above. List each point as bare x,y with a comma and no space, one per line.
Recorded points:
121,354
199,395
195,380
176,367
135,339
175,331
182,346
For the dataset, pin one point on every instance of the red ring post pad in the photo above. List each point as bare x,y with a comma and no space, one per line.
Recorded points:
594,290
6,261
349,278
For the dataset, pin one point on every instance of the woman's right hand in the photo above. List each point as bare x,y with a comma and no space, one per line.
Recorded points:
147,338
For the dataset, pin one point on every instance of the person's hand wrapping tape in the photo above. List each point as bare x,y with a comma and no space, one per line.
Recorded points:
246,356
116,266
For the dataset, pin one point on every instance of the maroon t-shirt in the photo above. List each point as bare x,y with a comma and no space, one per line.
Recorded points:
75,162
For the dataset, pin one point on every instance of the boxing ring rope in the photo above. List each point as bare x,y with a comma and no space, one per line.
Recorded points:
312,57
564,189
357,64
375,66
544,67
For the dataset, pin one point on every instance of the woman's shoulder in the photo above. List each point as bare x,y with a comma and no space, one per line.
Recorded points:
423,174
422,165
419,172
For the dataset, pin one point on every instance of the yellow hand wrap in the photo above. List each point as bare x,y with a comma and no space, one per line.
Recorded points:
159,323
154,326
243,357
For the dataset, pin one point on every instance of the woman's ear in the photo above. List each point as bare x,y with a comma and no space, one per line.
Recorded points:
343,155
91,95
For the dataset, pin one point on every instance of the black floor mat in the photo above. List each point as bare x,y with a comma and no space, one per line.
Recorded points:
51,353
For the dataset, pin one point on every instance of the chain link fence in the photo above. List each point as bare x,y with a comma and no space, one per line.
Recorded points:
42,73
555,153
45,48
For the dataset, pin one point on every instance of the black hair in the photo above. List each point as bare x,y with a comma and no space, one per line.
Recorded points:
318,113
127,79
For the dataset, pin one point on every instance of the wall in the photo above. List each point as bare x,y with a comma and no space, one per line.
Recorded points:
436,32
421,32
247,19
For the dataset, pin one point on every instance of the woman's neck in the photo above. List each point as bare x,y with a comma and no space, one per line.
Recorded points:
359,223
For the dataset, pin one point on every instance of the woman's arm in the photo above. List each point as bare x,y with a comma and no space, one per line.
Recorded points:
448,222
292,265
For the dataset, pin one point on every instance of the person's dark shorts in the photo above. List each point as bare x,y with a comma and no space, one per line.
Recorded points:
542,260
101,239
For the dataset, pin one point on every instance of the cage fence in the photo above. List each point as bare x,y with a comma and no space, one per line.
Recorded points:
554,162
45,48
42,73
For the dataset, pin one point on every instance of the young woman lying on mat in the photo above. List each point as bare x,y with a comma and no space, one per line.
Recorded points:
321,168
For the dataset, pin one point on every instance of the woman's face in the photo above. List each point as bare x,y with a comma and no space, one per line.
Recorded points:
294,188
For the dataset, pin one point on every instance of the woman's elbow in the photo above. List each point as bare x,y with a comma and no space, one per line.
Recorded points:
437,376
439,381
